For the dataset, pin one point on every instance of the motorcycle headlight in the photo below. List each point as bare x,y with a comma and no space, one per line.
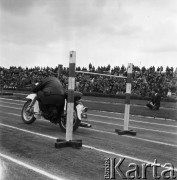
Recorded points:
84,109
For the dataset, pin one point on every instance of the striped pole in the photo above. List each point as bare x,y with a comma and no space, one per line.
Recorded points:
68,142
70,105
127,98
126,131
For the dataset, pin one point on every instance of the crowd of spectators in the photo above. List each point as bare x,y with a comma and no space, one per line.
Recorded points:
143,79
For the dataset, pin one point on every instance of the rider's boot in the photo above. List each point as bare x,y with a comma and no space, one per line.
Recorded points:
83,124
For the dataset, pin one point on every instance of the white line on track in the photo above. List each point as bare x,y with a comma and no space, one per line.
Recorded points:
10,107
11,103
149,117
14,114
166,125
13,100
132,120
115,103
103,102
136,115
154,130
86,146
135,137
22,94
116,124
42,172
24,130
100,131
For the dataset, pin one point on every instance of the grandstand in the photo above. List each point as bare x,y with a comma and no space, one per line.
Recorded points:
144,79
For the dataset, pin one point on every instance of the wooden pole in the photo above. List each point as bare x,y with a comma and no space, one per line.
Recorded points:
126,131
68,142
70,103
127,98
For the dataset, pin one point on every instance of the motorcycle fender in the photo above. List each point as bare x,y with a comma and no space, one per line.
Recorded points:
37,112
31,96
36,107
79,108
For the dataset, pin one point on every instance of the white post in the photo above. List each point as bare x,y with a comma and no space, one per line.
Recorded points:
127,98
70,101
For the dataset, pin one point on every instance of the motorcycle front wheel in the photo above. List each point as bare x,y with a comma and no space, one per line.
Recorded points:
27,117
76,122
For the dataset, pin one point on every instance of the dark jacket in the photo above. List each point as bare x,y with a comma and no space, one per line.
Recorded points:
50,86
156,98
50,91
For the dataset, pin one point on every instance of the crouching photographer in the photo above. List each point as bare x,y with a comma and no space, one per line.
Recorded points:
154,103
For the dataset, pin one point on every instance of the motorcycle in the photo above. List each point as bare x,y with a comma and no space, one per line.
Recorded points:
31,111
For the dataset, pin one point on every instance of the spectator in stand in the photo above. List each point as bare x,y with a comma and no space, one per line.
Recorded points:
144,79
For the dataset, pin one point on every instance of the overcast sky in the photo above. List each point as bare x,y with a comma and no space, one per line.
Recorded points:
102,32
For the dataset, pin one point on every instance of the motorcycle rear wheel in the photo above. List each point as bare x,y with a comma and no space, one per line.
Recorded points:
27,118
76,122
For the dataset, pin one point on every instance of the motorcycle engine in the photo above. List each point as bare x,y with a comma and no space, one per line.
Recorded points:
52,114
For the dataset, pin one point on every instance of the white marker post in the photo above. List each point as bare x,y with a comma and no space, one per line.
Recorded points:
127,104
127,99
70,107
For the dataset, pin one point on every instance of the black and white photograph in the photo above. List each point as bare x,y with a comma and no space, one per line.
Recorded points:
88,89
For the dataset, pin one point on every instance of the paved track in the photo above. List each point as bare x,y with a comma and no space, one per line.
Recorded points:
27,151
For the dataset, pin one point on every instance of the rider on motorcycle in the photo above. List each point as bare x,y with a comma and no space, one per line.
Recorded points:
50,92
51,96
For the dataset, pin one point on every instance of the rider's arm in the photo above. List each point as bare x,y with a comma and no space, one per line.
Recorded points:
39,87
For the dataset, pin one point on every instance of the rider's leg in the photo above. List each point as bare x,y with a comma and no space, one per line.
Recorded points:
150,105
60,109
156,107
